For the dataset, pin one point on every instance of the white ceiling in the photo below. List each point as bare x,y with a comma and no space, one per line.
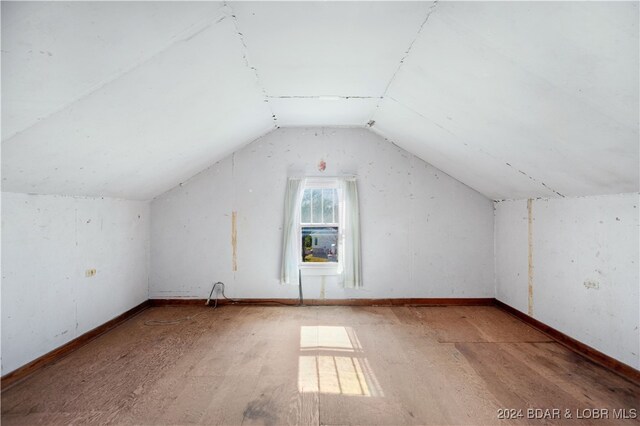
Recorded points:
523,99
128,99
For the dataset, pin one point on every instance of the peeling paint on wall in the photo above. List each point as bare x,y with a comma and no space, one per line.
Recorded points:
234,242
530,251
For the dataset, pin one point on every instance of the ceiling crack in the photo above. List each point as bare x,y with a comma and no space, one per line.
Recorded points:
431,9
245,56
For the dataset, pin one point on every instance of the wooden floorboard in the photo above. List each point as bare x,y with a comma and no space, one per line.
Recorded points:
330,365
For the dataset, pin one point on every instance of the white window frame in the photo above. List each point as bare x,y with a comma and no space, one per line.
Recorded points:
321,268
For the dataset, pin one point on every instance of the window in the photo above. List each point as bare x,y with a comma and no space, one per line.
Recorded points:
320,222
321,218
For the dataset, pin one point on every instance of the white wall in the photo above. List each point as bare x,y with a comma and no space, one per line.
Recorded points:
424,234
48,243
585,268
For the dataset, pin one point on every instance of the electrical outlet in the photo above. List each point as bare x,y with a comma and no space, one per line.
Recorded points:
90,273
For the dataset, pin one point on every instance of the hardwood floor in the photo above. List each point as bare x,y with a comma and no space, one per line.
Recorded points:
318,365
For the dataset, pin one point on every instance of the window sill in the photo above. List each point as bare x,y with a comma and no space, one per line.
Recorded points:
318,269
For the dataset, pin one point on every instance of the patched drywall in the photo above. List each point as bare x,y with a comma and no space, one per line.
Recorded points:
584,258
424,234
69,264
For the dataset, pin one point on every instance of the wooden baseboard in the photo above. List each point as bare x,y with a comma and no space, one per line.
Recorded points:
335,302
588,352
179,302
17,375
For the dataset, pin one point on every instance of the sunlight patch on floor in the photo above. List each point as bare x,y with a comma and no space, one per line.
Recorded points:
337,364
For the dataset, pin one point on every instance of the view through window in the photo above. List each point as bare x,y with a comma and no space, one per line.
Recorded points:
320,227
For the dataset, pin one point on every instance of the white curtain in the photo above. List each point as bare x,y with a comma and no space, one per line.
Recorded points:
350,259
290,243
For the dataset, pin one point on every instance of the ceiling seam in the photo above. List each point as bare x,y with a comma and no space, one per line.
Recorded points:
324,97
245,56
431,9
479,150
184,36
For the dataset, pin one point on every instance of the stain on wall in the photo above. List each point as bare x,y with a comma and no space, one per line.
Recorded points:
592,284
530,256
234,241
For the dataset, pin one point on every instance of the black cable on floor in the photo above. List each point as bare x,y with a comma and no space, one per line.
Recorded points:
236,301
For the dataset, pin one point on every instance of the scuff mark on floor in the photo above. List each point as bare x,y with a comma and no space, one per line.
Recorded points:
261,409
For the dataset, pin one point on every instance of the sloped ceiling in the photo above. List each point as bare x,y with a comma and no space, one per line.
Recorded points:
122,99
128,99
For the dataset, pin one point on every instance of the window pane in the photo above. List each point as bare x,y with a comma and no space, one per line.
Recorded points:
327,205
306,207
316,206
319,244
336,217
